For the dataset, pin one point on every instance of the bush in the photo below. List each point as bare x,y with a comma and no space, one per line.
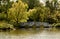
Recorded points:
2,16
56,24
6,25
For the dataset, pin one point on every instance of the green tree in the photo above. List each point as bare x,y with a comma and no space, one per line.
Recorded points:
39,14
52,5
5,5
18,13
33,15
32,3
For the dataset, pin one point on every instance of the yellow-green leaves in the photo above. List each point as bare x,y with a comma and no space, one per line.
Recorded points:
33,13
18,12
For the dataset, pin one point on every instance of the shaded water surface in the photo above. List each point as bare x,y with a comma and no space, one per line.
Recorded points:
37,33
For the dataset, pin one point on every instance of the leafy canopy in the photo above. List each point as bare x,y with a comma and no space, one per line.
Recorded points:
18,13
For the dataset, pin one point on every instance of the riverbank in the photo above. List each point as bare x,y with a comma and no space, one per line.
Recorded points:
6,26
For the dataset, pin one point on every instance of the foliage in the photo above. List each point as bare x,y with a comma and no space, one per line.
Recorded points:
56,24
32,3
29,10
32,13
5,5
2,16
54,18
53,5
39,14
18,13
5,25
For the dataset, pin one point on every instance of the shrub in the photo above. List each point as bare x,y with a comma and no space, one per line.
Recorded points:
56,24
5,25
2,16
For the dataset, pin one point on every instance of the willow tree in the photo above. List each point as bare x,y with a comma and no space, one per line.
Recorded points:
18,13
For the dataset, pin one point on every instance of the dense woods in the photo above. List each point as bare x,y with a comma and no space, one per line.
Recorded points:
13,13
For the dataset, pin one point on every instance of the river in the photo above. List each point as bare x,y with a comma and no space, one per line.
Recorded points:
30,33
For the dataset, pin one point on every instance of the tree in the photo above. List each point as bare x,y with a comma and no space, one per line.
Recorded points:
52,5
18,13
5,5
33,15
32,3
39,14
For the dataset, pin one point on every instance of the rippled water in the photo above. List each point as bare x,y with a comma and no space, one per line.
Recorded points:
31,34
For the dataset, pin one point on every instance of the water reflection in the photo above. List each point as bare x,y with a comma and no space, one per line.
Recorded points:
30,33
